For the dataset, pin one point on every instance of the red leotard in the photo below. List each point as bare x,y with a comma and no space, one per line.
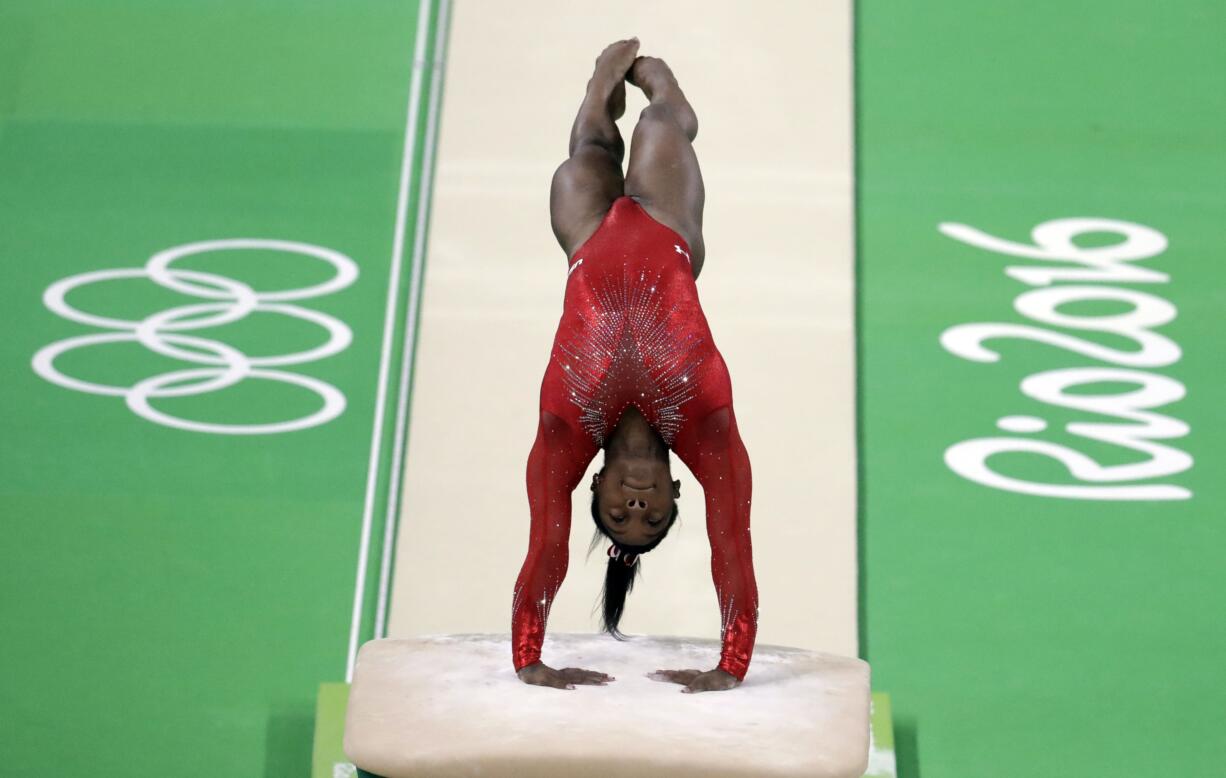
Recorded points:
633,333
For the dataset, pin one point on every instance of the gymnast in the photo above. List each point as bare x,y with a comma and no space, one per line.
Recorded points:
634,370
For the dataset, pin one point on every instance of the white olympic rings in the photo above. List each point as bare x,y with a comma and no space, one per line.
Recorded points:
164,333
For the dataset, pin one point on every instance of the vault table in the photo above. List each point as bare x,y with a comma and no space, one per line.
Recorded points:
451,705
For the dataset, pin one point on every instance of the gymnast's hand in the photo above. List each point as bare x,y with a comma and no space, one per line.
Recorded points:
716,680
541,674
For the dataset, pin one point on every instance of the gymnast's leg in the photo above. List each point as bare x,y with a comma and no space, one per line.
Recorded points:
586,184
663,174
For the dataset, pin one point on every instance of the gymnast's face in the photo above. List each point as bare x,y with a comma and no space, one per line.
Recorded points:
635,498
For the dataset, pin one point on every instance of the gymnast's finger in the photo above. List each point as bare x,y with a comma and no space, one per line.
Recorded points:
556,680
579,675
674,676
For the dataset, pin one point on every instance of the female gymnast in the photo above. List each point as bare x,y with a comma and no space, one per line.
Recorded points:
634,371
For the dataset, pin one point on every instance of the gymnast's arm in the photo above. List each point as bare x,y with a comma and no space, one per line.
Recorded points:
711,448
556,464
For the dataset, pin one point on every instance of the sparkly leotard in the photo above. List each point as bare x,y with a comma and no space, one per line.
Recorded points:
633,333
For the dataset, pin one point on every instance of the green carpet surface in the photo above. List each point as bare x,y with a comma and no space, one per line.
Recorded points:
1021,634
172,597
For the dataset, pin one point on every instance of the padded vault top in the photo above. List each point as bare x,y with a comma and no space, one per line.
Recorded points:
451,705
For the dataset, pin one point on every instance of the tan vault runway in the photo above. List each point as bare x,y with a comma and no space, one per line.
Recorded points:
772,87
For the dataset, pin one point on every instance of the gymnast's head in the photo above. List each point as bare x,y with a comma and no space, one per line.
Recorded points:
634,500
634,504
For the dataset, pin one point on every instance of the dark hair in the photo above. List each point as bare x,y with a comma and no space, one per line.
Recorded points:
618,576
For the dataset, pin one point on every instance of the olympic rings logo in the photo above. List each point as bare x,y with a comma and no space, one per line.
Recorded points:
224,366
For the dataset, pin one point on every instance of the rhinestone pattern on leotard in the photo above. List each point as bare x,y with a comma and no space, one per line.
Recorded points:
626,348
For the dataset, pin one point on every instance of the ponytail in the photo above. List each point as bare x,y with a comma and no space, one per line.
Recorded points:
618,581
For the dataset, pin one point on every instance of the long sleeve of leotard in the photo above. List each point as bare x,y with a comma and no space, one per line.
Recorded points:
711,448
559,457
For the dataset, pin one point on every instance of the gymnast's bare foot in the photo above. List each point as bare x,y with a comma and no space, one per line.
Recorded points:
650,74
608,81
656,79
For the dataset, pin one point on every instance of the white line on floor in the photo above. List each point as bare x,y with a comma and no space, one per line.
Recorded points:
410,333
389,321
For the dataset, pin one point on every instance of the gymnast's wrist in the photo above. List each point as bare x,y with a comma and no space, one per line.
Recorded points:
733,667
529,668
